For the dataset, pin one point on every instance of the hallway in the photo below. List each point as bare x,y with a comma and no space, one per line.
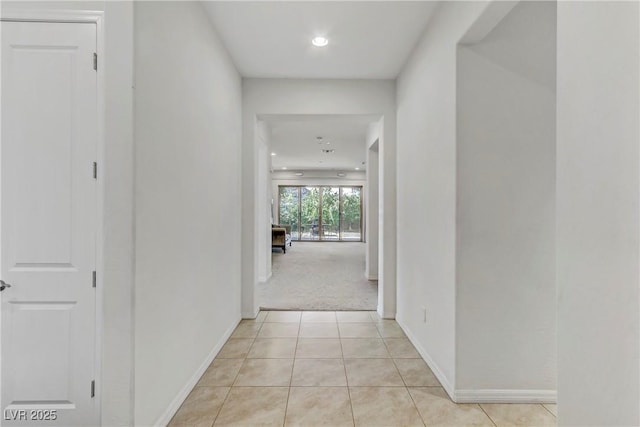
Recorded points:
484,155
336,369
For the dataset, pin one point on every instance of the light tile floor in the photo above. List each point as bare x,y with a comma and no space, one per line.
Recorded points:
288,368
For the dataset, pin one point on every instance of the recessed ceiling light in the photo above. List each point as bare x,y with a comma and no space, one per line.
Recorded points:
299,174
284,168
273,154
341,174
320,41
357,169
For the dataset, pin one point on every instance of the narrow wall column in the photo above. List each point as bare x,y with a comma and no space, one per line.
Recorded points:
372,207
598,220
387,221
249,250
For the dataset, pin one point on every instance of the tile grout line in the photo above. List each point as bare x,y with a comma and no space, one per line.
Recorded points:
548,410
403,380
235,378
344,366
293,364
485,412
406,387
244,360
221,406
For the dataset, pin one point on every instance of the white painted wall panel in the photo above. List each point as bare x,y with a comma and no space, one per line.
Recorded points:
188,132
505,260
597,213
426,102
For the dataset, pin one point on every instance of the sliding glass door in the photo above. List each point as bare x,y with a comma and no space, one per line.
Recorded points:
290,210
322,213
309,212
351,218
330,213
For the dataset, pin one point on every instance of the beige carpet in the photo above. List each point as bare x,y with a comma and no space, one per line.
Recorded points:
319,276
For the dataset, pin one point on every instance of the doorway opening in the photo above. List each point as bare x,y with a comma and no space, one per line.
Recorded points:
318,194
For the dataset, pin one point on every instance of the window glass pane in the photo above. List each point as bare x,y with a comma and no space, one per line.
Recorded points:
330,213
289,210
341,209
310,214
351,225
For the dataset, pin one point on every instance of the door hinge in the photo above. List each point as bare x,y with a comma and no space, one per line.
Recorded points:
94,279
93,388
95,61
95,170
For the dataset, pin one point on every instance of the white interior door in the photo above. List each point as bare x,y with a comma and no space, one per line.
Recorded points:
48,223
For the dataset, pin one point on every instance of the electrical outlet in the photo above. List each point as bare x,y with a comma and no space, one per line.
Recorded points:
424,314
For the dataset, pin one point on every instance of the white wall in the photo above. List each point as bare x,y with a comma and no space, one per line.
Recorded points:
597,213
188,133
283,96
426,151
372,205
118,176
263,203
46,5
505,259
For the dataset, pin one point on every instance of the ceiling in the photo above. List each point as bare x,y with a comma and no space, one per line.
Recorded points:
294,140
367,39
